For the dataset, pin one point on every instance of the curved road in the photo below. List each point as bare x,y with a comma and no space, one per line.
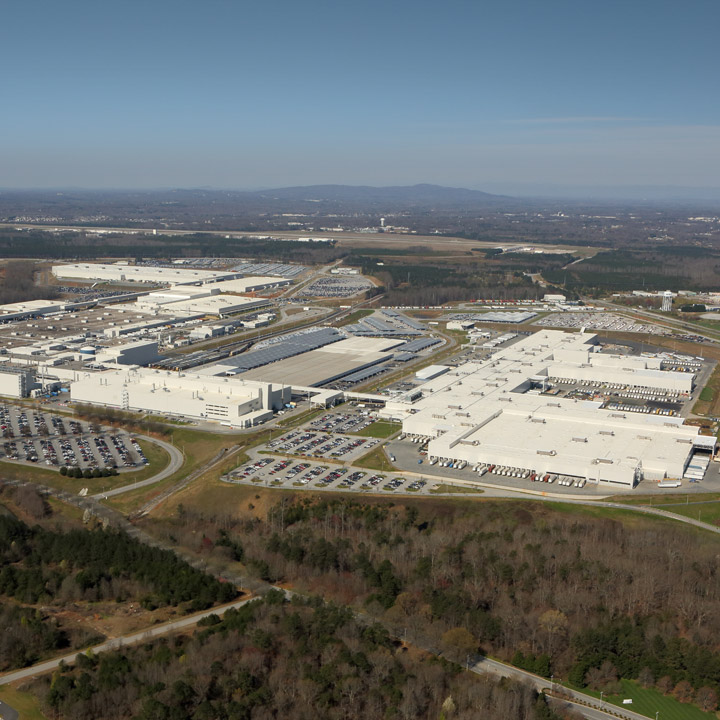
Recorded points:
176,462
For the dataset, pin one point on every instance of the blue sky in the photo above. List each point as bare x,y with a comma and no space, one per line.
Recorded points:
481,93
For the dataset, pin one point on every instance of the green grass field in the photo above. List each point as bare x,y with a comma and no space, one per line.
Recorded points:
707,394
25,703
649,701
706,512
379,429
355,316
375,460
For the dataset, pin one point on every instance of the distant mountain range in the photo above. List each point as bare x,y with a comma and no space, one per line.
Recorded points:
410,195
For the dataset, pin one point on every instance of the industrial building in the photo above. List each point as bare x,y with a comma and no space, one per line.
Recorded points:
332,362
16,381
251,284
309,359
29,308
140,352
193,302
122,272
232,401
495,412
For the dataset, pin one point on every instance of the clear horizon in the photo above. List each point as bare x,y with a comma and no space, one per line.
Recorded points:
492,97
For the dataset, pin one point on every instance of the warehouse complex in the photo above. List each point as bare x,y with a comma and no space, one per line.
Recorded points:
496,412
544,403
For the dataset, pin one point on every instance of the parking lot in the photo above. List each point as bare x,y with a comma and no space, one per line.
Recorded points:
343,422
57,441
622,397
599,321
321,444
332,287
289,473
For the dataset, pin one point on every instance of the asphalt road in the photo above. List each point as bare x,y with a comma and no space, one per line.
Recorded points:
595,712
115,643
8,713
176,462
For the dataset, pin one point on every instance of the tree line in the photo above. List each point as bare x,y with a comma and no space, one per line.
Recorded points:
41,566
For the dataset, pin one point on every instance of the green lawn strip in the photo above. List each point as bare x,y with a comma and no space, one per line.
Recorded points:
198,447
648,701
26,704
300,419
707,394
380,429
355,316
707,512
375,460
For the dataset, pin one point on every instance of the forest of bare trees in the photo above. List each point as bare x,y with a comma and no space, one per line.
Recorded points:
553,592
271,659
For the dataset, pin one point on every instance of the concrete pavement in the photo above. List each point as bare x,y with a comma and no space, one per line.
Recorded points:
8,713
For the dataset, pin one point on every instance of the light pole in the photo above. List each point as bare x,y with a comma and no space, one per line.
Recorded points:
601,698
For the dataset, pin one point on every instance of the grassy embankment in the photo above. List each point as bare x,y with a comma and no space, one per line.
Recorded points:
27,705
376,460
198,448
708,402
380,429
648,701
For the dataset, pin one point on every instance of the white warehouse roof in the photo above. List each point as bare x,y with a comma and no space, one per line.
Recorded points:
482,412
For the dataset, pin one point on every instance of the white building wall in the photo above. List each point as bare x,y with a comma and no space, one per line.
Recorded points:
181,394
13,384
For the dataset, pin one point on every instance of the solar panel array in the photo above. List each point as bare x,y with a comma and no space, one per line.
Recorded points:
286,271
366,373
419,344
404,356
287,348
403,319
363,330
410,323
379,324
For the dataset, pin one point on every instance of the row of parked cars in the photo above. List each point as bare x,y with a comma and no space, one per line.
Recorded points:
640,409
342,422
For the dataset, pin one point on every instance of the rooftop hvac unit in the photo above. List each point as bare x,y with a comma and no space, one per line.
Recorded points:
607,432
580,439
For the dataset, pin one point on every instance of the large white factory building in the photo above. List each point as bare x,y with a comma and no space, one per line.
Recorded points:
493,412
232,401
